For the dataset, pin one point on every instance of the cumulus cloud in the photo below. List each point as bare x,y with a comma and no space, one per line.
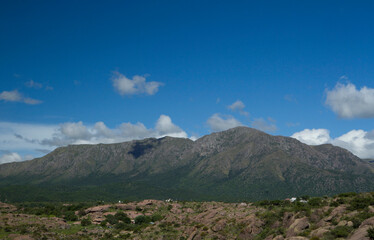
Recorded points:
75,130
313,136
15,96
263,125
238,106
136,85
41,139
165,127
78,133
10,157
359,142
349,102
218,122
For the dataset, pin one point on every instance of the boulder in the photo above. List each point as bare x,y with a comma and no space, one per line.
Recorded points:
279,237
371,209
297,227
219,225
319,232
369,221
360,233
288,219
343,223
126,206
101,208
336,213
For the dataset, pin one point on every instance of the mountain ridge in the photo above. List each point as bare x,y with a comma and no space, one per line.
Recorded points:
239,163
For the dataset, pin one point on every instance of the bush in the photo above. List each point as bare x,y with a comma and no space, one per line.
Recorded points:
120,226
359,203
70,216
121,216
86,222
315,202
348,194
314,238
142,219
371,233
103,223
111,219
341,231
156,217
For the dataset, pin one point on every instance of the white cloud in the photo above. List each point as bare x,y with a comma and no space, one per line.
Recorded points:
26,137
136,85
40,139
217,122
165,127
131,131
359,142
15,96
10,157
349,102
263,125
238,106
32,84
313,136
75,130
11,96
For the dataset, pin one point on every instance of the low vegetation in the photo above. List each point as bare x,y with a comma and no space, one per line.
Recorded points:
344,216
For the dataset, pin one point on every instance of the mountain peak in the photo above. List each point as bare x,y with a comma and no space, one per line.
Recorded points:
238,164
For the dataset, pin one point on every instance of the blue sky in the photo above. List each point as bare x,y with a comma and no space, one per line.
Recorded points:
77,72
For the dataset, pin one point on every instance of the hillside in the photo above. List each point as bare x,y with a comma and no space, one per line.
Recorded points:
234,165
345,216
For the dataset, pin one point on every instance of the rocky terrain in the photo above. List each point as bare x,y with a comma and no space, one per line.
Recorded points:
345,216
239,164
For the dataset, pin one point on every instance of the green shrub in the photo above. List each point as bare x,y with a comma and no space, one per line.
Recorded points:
371,233
156,217
314,238
142,219
359,203
120,226
70,216
103,223
341,231
85,222
348,194
315,202
111,219
121,216
81,212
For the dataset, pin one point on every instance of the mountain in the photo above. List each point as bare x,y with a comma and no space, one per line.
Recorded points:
233,165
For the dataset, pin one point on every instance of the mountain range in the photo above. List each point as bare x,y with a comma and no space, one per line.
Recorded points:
239,164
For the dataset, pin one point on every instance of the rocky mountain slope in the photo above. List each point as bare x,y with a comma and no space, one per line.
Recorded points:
233,165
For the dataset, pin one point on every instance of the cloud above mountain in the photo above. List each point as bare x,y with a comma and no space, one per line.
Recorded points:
239,107
218,122
349,102
359,142
136,85
40,139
